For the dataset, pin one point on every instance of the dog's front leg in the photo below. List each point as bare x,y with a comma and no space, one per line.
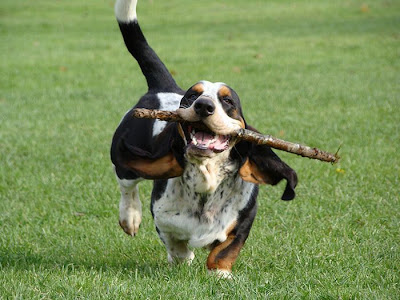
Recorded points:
130,207
223,256
177,250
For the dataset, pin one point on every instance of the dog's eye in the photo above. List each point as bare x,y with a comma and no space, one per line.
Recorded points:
227,100
192,97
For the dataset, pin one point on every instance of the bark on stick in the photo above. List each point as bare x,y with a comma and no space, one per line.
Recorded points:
247,135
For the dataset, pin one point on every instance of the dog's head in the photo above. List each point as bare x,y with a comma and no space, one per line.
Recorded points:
213,113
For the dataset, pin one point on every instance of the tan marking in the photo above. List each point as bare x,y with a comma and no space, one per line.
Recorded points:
226,262
251,173
242,123
161,168
224,91
230,228
235,115
199,88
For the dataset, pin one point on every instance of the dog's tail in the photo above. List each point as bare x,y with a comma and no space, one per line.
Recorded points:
157,75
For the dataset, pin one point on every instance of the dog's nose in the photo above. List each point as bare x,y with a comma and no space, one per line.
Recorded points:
204,107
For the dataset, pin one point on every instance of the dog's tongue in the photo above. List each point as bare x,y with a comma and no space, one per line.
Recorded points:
210,141
203,139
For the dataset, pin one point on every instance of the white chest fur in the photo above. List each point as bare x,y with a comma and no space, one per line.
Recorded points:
203,204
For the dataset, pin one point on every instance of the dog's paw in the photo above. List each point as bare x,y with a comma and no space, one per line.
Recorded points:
188,258
130,220
223,274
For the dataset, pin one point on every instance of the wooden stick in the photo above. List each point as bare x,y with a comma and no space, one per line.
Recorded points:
247,135
290,147
144,113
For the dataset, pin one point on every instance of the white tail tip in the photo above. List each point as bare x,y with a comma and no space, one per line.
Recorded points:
125,10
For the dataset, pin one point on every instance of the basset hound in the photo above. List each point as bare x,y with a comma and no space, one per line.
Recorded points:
205,180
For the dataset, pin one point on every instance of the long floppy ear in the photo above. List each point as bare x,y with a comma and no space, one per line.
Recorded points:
163,163
262,166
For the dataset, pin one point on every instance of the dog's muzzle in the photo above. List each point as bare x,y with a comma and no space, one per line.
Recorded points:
206,133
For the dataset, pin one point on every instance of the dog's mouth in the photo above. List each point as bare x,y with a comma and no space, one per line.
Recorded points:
203,142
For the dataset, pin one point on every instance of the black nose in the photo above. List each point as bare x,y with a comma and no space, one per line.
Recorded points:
204,107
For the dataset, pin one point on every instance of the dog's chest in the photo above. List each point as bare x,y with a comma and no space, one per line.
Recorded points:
199,211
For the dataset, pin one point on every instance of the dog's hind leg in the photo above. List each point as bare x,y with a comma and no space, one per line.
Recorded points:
130,207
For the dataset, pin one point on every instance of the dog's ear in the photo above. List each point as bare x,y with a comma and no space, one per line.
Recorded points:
166,162
261,165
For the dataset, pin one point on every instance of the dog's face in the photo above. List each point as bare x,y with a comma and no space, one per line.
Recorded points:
214,113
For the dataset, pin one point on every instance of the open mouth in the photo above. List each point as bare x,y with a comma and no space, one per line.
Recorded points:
203,142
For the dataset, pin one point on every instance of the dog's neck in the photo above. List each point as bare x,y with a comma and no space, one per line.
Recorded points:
204,175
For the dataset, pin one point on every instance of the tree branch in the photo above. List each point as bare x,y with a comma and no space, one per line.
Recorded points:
247,135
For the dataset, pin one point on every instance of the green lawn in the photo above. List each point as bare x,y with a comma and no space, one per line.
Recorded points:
324,73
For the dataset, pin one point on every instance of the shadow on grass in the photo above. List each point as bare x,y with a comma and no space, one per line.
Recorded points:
25,260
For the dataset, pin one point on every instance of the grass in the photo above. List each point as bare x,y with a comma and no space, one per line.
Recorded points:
325,73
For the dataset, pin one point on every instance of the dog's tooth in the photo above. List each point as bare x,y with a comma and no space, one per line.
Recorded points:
193,136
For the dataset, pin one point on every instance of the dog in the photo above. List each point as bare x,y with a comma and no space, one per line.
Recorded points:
205,181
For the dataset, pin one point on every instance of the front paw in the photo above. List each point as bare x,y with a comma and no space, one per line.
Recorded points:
222,274
130,220
186,258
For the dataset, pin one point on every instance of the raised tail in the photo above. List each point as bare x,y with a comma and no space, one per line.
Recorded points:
157,75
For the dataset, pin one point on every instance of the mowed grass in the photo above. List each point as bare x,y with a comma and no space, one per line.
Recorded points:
324,73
